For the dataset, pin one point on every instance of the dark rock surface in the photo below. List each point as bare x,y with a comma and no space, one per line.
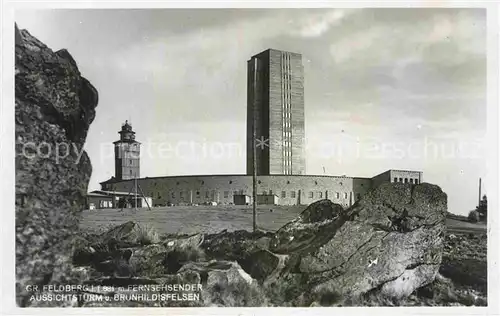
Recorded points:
246,248
149,260
171,261
54,107
390,242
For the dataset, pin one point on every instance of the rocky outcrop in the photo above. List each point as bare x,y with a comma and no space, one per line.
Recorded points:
54,107
390,242
170,261
250,250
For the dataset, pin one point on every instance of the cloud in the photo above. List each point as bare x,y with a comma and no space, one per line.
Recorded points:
447,39
318,24
210,62
209,47
411,66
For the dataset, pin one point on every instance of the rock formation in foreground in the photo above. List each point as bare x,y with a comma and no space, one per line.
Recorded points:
54,107
387,245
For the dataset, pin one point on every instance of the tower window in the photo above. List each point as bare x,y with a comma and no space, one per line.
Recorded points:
130,172
320,195
345,195
395,179
292,194
338,195
226,194
311,195
283,194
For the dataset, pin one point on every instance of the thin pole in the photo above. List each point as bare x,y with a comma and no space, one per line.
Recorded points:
479,202
254,138
135,197
144,196
128,197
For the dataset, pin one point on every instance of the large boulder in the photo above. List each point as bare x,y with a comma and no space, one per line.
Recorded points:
54,107
249,249
125,234
226,284
212,283
390,242
149,260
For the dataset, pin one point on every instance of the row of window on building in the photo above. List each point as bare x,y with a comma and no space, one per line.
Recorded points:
406,180
284,194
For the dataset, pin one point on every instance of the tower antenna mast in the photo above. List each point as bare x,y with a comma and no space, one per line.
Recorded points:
254,148
479,201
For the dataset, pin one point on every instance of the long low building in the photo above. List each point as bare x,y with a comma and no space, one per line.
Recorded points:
115,199
289,189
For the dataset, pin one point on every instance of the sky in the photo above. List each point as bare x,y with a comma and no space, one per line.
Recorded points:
384,88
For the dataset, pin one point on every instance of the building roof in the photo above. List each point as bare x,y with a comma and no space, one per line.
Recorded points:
111,193
114,180
130,141
110,180
94,194
267,51
398,170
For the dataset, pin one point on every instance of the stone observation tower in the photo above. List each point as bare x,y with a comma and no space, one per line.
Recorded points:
127,154
275,105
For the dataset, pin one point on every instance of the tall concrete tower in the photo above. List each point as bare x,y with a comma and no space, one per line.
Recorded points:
275,104
127,154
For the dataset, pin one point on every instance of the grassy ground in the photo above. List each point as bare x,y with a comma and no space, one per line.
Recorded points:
211,219
194,219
